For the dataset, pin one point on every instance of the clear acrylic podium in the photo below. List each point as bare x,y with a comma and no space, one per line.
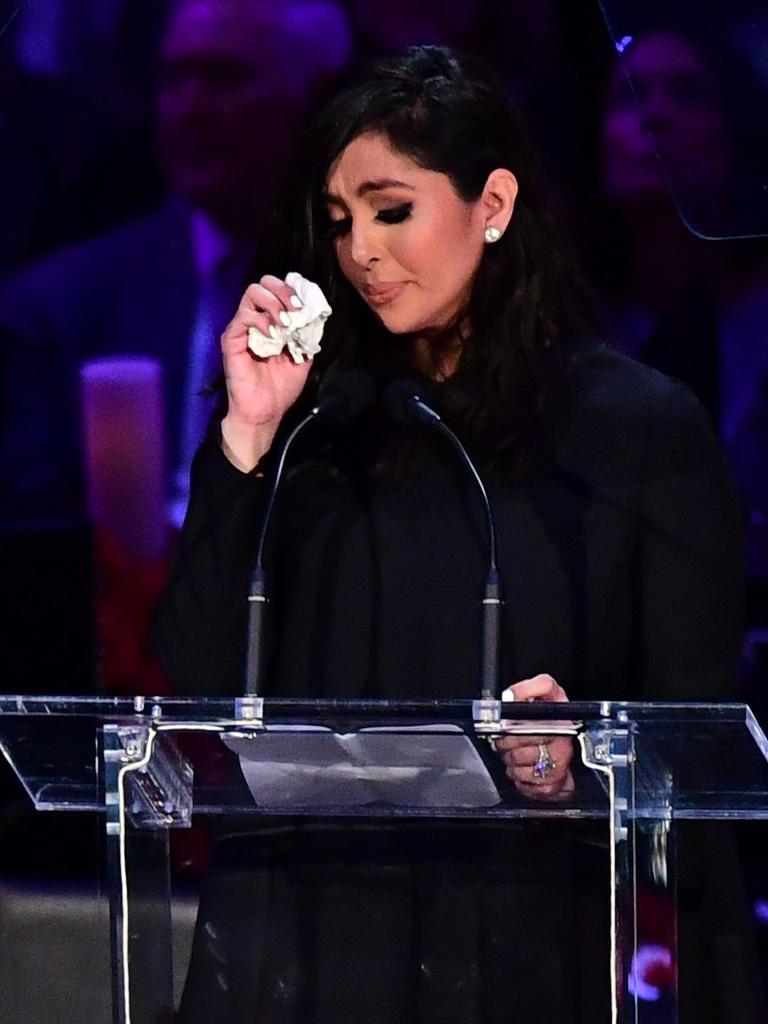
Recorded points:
150,765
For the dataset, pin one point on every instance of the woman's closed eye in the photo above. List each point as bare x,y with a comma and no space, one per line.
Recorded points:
395,214
390,215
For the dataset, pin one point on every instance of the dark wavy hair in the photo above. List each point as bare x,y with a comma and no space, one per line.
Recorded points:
447,114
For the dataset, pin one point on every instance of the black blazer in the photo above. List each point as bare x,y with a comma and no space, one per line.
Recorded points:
622,576
621,565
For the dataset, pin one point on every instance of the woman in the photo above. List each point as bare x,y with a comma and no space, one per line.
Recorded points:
618,537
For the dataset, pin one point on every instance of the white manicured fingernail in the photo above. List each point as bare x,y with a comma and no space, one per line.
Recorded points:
296,302
285,320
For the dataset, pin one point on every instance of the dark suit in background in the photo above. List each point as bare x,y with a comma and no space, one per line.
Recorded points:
131,292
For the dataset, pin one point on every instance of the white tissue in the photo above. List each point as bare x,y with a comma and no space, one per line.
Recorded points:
302,336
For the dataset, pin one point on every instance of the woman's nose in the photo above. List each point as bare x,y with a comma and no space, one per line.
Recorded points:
364,247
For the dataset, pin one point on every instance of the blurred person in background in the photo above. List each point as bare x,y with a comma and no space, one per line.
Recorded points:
672,294
237,81
76,93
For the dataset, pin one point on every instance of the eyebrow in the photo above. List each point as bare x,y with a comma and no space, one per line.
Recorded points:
369,186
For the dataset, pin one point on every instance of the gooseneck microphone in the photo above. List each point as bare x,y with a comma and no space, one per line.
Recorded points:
404,402
349,394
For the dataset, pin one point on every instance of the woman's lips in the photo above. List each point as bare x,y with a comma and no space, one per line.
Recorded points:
384,294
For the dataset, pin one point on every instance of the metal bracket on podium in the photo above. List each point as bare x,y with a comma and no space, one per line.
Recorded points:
609,749
158,778
249,714
486,714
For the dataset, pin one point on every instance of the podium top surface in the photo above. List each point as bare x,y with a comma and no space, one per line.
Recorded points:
228,709
689,760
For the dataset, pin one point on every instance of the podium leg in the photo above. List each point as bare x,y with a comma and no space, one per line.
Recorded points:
642,887
139,890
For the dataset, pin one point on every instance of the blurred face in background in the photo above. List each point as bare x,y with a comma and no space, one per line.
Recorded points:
675,109
235,92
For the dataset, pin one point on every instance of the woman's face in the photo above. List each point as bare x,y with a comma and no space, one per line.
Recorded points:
403,237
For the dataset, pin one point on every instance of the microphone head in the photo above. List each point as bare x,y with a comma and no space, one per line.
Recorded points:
403,399
349,394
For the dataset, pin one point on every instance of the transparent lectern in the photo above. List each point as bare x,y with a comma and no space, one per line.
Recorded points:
151,765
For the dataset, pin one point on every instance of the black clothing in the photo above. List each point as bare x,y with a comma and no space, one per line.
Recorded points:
621,564
621,573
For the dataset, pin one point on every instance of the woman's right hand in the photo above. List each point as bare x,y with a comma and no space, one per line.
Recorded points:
539,765
260,391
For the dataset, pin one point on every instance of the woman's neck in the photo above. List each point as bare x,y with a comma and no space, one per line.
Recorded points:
437,355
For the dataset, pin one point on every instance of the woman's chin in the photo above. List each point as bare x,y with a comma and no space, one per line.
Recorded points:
397,323
405,322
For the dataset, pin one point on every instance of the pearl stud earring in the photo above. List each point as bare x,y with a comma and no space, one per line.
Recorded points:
492,234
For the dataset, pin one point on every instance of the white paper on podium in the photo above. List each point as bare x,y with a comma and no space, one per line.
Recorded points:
313,767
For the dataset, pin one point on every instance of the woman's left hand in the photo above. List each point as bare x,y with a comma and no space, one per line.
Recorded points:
539,766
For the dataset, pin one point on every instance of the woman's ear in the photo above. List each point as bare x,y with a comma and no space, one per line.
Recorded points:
498,202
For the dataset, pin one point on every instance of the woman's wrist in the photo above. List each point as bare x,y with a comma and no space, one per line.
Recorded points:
246,444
